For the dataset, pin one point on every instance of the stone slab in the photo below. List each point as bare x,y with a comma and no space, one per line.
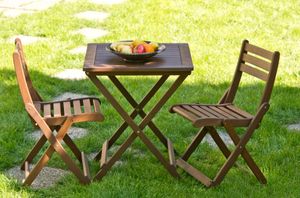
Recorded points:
91,33
71,74
14,8
225,137
92,15
26,40
118,163
15,13
78,50
208,139
48,177
34,5
74,133
40,5
294,127
69,95
107,2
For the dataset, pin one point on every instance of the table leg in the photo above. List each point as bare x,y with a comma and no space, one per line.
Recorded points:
138,129
137,108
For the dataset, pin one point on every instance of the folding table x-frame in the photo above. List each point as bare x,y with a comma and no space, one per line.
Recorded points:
176,60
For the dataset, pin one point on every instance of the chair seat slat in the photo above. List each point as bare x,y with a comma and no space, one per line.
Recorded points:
185,113
203,111
235,115
67,108
96,104
87,105
57,109
193,110
242,113
224,114
212,112
77,107
47,110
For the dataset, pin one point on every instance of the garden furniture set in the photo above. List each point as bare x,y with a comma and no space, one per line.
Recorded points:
174,61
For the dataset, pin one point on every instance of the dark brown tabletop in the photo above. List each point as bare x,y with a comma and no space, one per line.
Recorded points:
176,59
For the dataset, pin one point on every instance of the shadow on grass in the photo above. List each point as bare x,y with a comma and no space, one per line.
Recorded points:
285,109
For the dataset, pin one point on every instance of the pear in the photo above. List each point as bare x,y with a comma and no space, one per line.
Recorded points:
126,49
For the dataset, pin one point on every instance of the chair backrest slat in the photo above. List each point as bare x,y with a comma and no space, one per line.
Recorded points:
19,59
254,72
21,78
258,50
259,63
265,65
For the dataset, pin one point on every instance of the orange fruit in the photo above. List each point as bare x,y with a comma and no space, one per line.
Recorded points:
149,48
137,42
155,45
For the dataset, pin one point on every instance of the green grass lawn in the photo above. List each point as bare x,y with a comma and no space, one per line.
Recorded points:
214,31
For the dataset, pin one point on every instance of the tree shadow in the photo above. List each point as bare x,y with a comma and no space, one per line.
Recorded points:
285,109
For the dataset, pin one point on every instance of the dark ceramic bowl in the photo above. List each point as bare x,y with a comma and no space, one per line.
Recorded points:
136,57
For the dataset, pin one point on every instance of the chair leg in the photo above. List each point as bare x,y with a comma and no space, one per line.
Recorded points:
239,150
37,168
106,165
226,167
55,145
70,144
196,141
247,157
73,147
37,147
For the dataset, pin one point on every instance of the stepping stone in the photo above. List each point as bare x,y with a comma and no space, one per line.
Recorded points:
48,177
71,74
28,4
14,8
108,2
91,156
15,13
78,50
74,133
91,33
92,15
118,163
14,3
224,136
70,95
26,40
294,127
40,4
136,153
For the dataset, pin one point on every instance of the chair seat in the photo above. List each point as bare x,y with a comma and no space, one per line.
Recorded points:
213,115
81,109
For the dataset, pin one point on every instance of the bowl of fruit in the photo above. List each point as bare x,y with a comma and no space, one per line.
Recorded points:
135,50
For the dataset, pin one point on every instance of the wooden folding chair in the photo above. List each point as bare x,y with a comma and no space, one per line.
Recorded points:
50,116
257,62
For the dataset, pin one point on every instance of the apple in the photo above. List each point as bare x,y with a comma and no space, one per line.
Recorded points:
139,49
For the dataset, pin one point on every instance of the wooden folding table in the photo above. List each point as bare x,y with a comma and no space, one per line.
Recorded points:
174,61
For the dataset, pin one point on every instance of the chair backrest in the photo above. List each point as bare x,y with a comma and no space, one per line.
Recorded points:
28,92
259,63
